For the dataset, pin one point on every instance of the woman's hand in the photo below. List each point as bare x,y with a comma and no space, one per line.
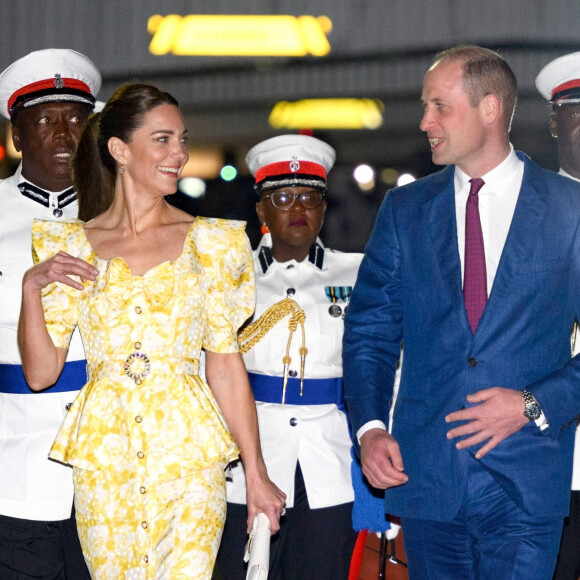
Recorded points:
58,268
264,496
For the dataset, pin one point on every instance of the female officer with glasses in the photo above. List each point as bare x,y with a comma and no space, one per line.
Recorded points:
294,360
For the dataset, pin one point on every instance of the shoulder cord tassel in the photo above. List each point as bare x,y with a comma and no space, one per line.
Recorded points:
254,332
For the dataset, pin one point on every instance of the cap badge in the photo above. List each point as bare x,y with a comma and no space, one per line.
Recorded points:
294,164
58,82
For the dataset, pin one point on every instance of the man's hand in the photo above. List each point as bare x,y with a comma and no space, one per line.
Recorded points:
499,414
381,459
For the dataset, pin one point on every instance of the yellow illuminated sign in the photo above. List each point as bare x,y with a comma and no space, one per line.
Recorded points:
327,114
239,35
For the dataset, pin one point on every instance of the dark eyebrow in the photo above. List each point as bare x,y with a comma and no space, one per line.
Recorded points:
168,132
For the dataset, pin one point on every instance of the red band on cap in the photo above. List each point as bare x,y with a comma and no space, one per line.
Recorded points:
288,167
49,84
566,86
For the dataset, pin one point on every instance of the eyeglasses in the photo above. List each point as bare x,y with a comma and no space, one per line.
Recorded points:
283,200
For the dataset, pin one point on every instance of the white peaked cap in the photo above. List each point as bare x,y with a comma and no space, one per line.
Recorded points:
559,80
47,76
290,160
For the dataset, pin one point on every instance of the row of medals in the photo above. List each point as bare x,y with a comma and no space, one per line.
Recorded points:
334,309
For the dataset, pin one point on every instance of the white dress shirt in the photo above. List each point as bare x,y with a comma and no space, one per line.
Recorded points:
497,203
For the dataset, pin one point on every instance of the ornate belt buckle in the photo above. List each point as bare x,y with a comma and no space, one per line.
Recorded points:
137,366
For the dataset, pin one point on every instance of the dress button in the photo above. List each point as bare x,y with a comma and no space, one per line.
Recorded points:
472,362
137,345
140,454
67,406
145,559
138,419
138,309
142,489
293,373
290,292
293,422
289,266
144,525
138,381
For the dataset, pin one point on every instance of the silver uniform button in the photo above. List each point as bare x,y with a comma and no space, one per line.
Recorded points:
57,212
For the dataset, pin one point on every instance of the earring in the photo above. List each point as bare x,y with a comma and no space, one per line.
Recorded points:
122,168
264,229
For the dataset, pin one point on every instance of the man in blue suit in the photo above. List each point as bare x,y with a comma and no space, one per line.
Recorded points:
477,269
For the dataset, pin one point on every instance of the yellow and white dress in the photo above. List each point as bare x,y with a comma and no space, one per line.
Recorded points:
145,436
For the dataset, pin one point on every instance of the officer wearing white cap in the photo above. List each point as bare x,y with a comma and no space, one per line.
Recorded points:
295,368
47,95
559,84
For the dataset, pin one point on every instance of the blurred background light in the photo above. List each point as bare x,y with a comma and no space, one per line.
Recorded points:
405,178
193,187
204,162
364,175
239,35
327,114
389,176
228,173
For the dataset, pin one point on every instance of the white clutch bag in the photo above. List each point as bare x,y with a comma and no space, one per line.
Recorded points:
257,552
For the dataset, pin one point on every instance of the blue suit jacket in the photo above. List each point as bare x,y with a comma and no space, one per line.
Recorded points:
409,288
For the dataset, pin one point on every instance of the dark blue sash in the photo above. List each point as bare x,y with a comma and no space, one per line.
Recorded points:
72,378
268,389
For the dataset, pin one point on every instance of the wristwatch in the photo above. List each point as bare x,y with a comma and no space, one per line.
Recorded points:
533,409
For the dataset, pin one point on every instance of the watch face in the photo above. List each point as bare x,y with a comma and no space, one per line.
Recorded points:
533,411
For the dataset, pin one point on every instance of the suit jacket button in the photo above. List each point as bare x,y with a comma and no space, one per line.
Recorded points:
472,362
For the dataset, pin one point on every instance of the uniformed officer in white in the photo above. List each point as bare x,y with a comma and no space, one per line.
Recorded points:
47,95
559,84
297,376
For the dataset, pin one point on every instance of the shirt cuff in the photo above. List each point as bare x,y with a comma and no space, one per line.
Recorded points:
541,422
376,424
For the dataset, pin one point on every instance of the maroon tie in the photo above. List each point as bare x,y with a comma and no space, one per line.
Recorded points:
475,277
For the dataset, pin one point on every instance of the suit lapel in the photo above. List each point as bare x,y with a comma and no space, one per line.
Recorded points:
529,212
441,218
440,215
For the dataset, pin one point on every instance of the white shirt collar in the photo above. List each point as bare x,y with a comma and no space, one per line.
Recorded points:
264,255
497,181
566,174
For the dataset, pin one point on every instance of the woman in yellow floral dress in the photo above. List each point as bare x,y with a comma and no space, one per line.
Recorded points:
148,286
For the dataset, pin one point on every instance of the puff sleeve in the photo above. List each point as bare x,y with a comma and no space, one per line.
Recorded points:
59,301
224,252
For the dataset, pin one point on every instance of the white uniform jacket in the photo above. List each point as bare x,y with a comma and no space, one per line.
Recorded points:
31,486
315,435
576,468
